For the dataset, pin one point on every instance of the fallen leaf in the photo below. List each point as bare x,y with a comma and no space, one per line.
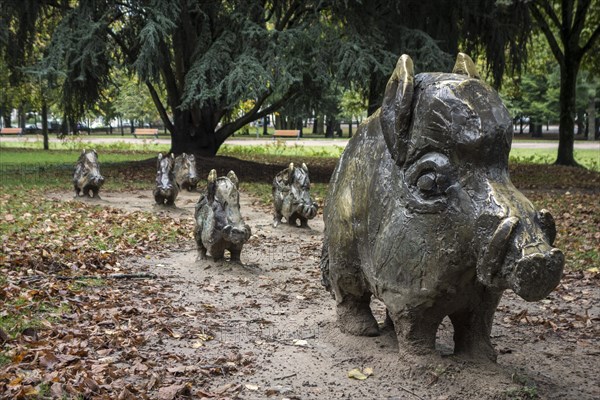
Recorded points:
368,371
300,342
171,392
357,374
251,386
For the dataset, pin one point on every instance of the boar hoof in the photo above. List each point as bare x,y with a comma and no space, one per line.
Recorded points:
356,319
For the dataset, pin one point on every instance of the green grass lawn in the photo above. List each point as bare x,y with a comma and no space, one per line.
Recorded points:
589,158
21,156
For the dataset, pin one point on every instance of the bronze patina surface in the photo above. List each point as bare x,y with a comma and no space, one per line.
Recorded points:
291,196
166,189
421,213
219,223
87,179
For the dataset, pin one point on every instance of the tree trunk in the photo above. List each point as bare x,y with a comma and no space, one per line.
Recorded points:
330,127
318,127
580,122
350,128
45,122
265,127
376,89
568,91
591,112
300,126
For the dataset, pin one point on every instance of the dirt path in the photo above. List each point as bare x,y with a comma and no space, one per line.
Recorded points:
267,329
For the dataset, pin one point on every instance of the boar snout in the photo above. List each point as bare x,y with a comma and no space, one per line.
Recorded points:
236,235
309,210
530,267
537,274
98,180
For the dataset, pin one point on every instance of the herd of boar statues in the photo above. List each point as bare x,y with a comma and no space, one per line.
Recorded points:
421,213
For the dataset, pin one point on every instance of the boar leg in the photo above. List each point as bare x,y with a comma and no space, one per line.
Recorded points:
201,252
416,332
292,219
276,219
235,251
217,251
353,299
472,329
77,190
303,222
355,316
95,193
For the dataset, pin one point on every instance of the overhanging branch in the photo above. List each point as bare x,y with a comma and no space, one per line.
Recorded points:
159,106
543,24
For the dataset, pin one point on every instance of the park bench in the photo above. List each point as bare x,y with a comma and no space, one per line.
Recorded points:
145,132
287,133
11,131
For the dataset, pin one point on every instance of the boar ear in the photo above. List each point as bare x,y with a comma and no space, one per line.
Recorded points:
233,178
396,108
290,176
305,168
465,66
160,157
211,186
95,152
183,155
172,156
83,151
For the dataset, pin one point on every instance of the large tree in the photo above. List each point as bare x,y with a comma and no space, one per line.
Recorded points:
207,56
432,32
572,27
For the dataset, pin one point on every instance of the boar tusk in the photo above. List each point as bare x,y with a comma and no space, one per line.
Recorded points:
493,256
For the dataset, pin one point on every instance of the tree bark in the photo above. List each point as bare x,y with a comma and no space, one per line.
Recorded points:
591,112
568,90
45,122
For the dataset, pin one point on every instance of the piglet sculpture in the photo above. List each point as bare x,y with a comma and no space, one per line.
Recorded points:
291,196
86,177
422,214
185,172
219,223
166,189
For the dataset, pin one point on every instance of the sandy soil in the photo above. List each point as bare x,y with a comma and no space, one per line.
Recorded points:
267,328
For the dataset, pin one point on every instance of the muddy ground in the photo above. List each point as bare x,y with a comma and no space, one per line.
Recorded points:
267,329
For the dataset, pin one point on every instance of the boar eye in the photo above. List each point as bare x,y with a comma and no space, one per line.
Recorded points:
426,183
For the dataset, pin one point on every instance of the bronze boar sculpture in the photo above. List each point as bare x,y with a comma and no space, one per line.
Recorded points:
291,196
86,177
219,223
185,172
422,214
166,189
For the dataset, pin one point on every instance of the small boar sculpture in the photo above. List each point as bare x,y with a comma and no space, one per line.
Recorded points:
291,196
422,214
185,172
219,223
166,190
86,177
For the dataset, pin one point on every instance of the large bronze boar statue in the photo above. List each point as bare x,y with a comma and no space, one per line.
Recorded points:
291,197
422,214
86,176
219,223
